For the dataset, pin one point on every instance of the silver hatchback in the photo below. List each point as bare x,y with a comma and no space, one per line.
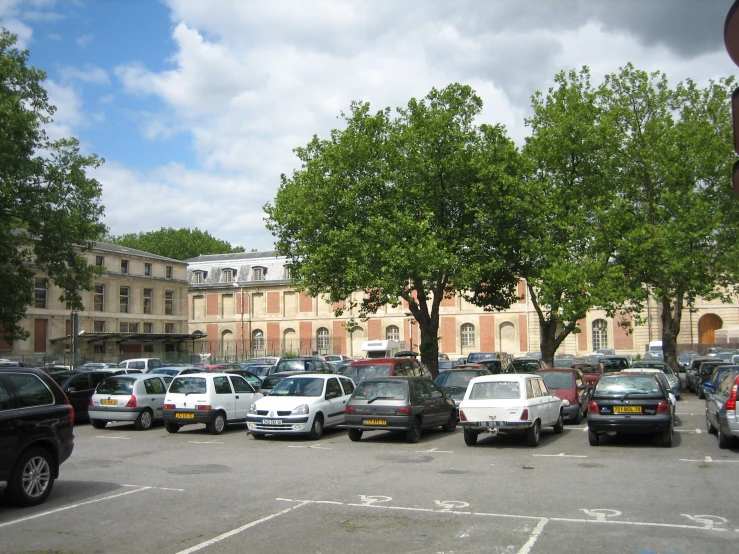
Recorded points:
134,397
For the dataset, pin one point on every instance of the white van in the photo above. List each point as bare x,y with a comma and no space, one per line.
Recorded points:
655,346
144,364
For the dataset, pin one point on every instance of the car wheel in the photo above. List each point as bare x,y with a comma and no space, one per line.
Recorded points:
143,422
316,430
218,424
533,434
709,427
666,438
355,435
593,438
98,423
578,417
258,436
700,393
413,434
723,440
470,437
451,423
32,478
171,426
559,427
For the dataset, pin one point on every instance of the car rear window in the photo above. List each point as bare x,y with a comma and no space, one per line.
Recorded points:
614,365
496,390
555,380
359,373
455,378
116,385
32,391
271,381
189,385
624,384
376,390
525,366
298,386
295,365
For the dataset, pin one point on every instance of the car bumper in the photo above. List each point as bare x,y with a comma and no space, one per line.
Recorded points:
392,423
113,414
188,417
496,426
630,424
287,425
570,412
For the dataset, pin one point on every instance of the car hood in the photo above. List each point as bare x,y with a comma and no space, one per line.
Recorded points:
283,403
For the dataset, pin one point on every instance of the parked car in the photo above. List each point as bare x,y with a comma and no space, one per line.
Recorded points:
612,364
591,372
79,386
137,398
475,357
212,399
509,403
662,378
406,404
630,403
569,385
704,374
524,365
726,355
721,415
383,367
493,366
36,434
606,351
254,380
691,374
92,366
176,370
653,355
683,359
260,371
307,363
661,365
454,382
144,364
271,381
711,384
300,404
445,365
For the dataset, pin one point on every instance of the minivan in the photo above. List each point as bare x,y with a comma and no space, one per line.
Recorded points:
144,364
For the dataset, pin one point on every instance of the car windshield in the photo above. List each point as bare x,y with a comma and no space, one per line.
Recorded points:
299,386
291,365
391,390
455,378
625,384
189,385
496,390
557,380
358,373
614,365
259,369
115,385
526,366
271,381
563,362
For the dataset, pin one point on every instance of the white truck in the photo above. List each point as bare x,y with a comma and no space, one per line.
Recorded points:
382,348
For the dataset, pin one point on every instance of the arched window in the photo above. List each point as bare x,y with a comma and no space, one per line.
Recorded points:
257,339
600,334
392,332
322,339
468,334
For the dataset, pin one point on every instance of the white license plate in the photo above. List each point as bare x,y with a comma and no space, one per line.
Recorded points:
271,422
493,423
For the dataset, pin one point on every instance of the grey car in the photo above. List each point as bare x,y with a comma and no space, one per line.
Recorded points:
672,378
138,398
721,416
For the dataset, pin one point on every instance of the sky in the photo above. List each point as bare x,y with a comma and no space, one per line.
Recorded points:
197,105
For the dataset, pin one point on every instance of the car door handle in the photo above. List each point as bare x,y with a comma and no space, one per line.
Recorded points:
237,397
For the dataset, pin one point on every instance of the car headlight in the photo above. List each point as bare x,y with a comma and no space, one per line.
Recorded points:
253,408
300,410
565,403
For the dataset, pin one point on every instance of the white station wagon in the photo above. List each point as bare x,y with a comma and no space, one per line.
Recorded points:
509,403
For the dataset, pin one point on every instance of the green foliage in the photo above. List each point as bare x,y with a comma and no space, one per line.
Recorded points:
48,206
178,244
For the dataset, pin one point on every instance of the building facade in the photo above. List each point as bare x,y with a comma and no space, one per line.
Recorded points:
247,307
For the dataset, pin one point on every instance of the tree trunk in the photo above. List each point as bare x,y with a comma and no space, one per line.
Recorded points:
550,340
671,329
428,322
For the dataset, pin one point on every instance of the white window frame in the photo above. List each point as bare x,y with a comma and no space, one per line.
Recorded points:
392,332
323,338
599,329
467,334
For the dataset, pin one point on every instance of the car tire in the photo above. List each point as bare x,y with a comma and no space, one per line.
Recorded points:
559,427
578,417
593,438
98,423
470,437
171,426
32,478
451,423
144,421
413,435
217,424
533,434
710,429
355,435
723,441
700,394
258,436
666,438
316,430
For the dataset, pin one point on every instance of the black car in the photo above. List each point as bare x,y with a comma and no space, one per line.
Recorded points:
705,370
79,386
630,403
36,434
691,373
454,381
407,404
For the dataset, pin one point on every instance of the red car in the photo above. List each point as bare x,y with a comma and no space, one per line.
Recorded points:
569,385
591,372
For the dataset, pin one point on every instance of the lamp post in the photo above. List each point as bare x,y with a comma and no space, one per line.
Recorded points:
410,329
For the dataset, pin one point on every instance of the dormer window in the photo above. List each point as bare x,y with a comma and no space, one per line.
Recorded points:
229,275
286,274
198,277
258,274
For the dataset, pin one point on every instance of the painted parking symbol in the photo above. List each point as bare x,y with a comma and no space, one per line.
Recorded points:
600,514
370,500
449,505
707,521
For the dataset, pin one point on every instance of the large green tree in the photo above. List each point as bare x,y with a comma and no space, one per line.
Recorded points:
681,216
178,244
413,205
49,208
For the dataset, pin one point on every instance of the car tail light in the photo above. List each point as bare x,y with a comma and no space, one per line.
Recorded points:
525,414
131,402
91,403
402,411
592,407
731,402
663,407
169,406
349,410
204,407
462,417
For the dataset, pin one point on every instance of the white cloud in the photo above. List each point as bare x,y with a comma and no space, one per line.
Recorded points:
84,40
90,74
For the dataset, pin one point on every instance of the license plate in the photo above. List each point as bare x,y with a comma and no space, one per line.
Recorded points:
184,416
271,422
109,402
375,421
627,409
493,423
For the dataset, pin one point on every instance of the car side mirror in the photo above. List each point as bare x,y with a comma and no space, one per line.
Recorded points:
330,395
71,389
447,395
582,387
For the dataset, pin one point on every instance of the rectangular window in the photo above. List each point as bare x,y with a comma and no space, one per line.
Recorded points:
148,300
228,275
287,273
147,270
40,290
258,274
149,348
169,327
198,277
98,326
99,298
124,300
129,327
168,272
168,302
98,348
124,266
148,327
100,261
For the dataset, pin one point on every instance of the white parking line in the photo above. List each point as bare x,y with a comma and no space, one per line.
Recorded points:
709,460
434,451
73,506
112,438
315,446
560,455
526,548
206,442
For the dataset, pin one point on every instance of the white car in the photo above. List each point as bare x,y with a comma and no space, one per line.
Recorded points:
301,404
509,403
214,399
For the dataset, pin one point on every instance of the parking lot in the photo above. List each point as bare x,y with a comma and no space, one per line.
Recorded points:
129,491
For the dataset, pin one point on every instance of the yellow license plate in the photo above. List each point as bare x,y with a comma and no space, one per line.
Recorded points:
109,402
184,416
627,409
375,421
